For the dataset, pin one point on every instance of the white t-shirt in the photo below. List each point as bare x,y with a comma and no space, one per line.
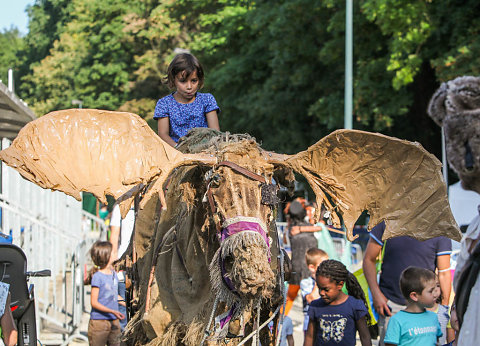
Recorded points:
126,227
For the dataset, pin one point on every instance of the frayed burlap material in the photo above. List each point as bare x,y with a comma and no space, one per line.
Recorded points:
185,244
117,153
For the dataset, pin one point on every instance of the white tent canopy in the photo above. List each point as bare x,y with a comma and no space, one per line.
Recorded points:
464,203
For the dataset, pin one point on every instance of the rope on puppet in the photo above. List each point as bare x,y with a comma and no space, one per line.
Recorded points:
284,295
207,328
257,331
258,323
261,327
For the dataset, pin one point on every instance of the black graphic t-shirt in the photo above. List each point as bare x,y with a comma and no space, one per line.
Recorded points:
335,324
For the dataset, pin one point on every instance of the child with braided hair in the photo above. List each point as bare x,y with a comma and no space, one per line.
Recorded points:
335,318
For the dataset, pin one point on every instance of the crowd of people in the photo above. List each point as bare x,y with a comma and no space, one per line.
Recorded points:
409,291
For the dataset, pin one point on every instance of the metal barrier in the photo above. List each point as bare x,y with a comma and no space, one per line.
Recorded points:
56,234
339,244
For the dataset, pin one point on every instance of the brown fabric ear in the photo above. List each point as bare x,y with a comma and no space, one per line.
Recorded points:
395,180
102,152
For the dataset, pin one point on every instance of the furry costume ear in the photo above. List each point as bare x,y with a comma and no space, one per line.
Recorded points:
456,107
455,97
436,107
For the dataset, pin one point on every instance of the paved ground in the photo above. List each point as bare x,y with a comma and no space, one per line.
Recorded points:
296,314
83,331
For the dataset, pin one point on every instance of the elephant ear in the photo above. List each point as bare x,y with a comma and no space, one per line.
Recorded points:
102,152
394,180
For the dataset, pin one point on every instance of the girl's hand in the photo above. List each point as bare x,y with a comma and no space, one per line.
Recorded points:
119,315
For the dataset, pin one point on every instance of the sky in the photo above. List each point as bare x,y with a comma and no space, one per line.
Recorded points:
12,12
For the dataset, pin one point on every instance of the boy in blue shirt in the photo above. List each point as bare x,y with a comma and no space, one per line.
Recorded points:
308,286
415,325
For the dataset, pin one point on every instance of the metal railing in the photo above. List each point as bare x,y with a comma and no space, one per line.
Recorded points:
339,244
56,234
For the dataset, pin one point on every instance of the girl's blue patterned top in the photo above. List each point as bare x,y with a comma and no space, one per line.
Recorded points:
184,117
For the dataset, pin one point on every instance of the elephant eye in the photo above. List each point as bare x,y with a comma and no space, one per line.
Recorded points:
269,194
216,179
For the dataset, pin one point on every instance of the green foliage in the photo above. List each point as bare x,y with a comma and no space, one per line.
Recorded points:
455,45
277,71
11,43
91,60
407,24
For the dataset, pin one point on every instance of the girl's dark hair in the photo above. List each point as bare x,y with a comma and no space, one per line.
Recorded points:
100,253
184,62
336,271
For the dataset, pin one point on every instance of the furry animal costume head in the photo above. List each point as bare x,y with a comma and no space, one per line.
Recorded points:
456,107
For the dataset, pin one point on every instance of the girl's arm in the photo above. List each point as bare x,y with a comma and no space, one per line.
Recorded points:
164,131
363,332
310,334
450,334
212,120
100,307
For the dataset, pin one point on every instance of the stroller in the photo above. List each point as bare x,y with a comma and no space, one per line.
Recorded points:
13,266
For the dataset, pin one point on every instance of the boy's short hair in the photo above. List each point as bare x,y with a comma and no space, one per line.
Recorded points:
414,279
313,254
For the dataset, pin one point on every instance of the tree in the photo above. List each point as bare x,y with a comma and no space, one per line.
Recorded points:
11,43
276,71
91,60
